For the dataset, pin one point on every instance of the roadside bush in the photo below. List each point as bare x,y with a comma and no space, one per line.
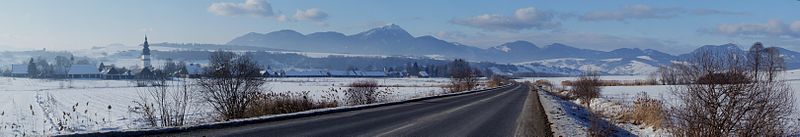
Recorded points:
544,83
462,76
638,82
365,92
280,103
231,85
164,105
586,88
648,111
498,80
732,96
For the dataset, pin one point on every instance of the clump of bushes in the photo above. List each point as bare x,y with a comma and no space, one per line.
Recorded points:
365,92
498,80
637,82
288,102
648,111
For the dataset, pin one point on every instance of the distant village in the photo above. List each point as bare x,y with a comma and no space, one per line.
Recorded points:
67,67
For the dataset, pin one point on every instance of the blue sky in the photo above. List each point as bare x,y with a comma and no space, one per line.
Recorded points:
673,26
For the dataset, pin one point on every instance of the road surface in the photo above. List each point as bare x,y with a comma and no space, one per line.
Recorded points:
509,111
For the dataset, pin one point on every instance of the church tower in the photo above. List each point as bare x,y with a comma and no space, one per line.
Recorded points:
146,54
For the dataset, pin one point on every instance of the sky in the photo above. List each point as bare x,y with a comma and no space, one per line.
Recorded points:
673,26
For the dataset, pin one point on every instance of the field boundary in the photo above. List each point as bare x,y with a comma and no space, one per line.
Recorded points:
263,119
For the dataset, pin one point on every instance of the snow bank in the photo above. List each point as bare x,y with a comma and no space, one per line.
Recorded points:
570,119
566,118
35,106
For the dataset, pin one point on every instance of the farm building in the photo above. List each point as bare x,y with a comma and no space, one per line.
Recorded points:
19,70
115,73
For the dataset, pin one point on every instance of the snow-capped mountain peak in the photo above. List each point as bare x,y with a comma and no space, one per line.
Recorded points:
387,31
521,46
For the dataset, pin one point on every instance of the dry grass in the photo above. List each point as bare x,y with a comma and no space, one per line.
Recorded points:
638,82
498,80
365,92
280,103
648,111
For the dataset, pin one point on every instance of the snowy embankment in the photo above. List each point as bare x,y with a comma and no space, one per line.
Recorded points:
614,99
49,107
570,119
567,119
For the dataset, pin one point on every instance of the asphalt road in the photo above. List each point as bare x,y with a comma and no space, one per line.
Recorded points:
508,111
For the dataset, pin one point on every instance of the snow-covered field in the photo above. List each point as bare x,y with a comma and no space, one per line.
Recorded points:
568,116
39,107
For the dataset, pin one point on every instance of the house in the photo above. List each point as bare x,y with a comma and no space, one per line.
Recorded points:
19,70
144,73
270,73
115,73
83,71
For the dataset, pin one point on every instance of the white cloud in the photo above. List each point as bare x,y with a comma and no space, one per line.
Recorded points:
312,14
796,26
258,8
524,18
640,11
631,12
283,18
772,28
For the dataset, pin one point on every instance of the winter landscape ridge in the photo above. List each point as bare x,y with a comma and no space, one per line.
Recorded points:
399,68
393,41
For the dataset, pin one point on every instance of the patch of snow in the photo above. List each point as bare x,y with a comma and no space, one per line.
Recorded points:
504,48
612,60
645,58
35,106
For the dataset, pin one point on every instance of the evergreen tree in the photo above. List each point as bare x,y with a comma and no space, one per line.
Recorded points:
32,71
100,68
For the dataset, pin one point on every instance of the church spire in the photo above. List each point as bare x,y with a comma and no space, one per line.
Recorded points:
146,49
146,53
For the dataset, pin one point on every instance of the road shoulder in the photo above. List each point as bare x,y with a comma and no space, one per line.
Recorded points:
533,121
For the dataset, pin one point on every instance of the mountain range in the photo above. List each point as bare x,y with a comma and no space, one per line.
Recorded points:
394,40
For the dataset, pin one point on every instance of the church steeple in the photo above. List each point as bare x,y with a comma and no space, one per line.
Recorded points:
146,54
146,50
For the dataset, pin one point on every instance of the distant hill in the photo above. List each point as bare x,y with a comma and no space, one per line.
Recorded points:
387,40
394,40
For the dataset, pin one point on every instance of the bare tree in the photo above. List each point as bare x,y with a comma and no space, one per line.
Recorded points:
669,75
233,81
755,58
165,105
462,76
587,87
774,63
729,98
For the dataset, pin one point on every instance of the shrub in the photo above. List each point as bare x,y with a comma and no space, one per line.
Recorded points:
731,98
365,92
289,102
164,105
233,81
648,111
586,88
462,76
498,80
